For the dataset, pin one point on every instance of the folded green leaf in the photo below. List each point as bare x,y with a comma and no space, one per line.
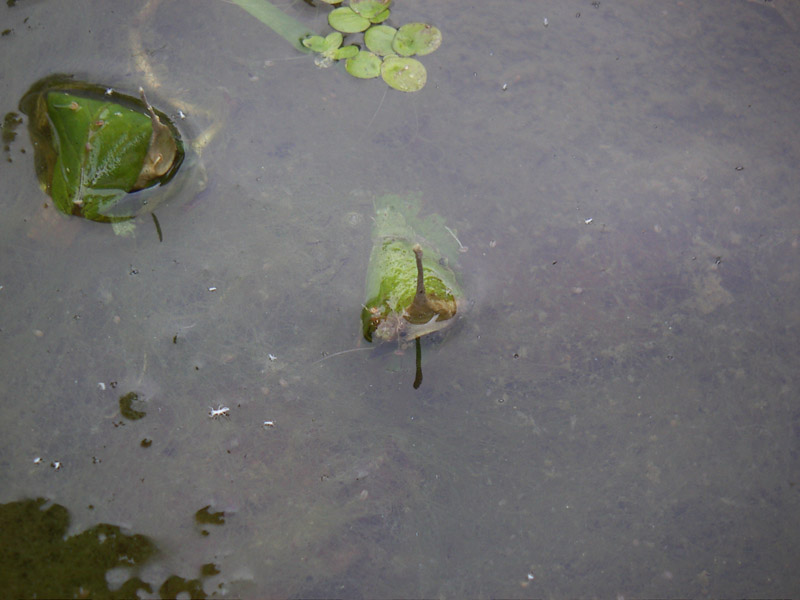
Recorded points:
94,147
411,289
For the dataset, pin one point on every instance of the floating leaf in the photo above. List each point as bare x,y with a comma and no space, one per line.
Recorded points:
364,65
345,52
95,147
370,9
379,39
327,45
346,20
416,38
315,43
404,74
380,17
411,289
333,40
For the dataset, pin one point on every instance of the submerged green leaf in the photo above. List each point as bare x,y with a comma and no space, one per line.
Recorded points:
127,403
398,304
94,147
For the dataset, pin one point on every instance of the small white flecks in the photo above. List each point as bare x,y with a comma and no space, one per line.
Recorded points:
530,577
589,220
109,91
213,288
56,465
505,87
545,22
272,357
181,114
101,386
220,411
37,460
268,424
493,244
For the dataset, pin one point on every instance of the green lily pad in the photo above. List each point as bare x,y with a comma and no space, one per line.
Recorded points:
333,40
327,47
416,38
404,74
380,17
315,43
346,20
379,39
345,52
332,1
364,65
370,9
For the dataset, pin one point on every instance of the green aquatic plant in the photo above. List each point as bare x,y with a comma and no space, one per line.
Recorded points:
379,39
43,557
100,154
416,38
129,404
411,288
403,73
329,48
346,20
364,65
389,50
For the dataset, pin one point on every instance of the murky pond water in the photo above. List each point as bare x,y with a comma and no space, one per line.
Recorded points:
616,413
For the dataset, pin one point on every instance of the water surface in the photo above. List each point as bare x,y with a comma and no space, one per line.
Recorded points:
615,414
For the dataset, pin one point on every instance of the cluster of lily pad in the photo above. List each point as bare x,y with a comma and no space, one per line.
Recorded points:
388,51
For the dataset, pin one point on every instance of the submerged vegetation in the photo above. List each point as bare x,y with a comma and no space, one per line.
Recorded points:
100,154
412,289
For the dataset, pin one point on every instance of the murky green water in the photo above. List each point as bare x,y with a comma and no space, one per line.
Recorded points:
617,412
